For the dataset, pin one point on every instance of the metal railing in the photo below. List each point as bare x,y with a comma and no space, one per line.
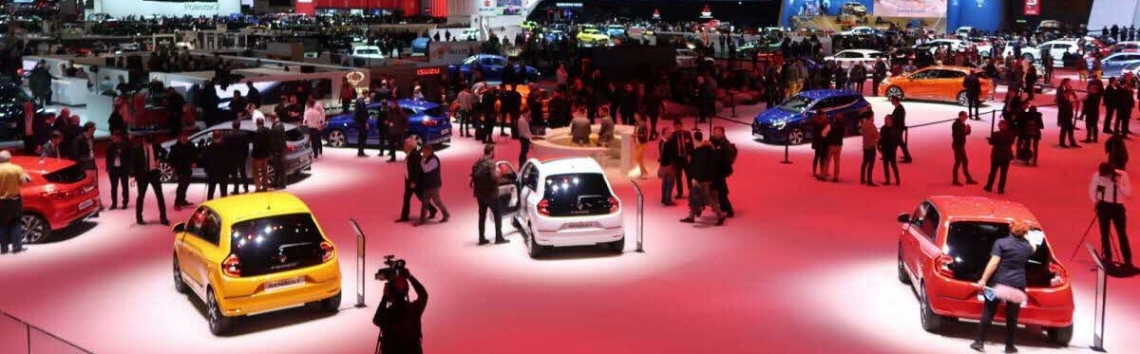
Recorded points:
29,329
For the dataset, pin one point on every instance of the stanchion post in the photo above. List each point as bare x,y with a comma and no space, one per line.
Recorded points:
360,265
640,217
787,144
993,122
1101,298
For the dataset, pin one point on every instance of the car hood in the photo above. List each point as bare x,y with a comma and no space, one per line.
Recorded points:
774,115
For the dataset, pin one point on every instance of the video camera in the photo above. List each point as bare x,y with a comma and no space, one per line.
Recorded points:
395,268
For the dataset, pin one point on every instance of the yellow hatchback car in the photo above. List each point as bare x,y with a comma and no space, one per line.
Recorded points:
255,253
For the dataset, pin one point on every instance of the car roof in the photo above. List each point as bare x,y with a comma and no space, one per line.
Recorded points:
964,69
569,165
248,125
981,208
417,104
864,51
36,165
256,205
821,94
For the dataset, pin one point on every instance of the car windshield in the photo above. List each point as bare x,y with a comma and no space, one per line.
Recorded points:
67,175
591,31
276,243
367,51
796,104
577,194
435,112
294,135
969,243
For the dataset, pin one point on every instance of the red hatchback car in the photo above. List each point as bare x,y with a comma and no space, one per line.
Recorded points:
61,194
944,247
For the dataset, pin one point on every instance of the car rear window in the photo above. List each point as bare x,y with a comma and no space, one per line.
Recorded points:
435,111
577,194
294,135
969,244
276,244
67,175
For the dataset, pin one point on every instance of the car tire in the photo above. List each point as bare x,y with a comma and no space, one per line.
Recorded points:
219,323
179,284
796,136
517,225
903,277
895,91
931,322
534,250
337,138
332,304
617,246
166,172
1060,336
270,175
963,99
36,228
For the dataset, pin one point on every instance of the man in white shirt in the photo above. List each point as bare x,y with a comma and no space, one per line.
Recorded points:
254,113
315,124
1108,189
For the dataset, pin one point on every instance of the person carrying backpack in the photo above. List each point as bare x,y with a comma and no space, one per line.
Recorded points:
727,151
485,181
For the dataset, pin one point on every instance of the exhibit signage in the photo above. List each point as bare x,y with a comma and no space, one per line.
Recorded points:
451,52
124,8
913,8
1032,7
428,71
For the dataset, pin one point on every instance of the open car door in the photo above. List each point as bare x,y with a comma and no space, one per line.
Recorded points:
508,187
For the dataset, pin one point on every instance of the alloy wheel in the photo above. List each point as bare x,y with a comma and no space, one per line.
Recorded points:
337,138
166,172
35,228
796,137
962,99
894,91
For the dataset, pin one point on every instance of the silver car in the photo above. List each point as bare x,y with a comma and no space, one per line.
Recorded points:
298,152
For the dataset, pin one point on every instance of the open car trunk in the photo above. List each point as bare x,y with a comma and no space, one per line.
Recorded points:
969,244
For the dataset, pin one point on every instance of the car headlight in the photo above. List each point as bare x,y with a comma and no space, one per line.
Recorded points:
780,124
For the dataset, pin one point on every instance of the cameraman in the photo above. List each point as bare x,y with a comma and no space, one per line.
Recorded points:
1108,190
399,319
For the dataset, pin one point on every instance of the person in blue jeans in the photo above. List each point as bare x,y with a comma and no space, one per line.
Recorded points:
12,177
665,170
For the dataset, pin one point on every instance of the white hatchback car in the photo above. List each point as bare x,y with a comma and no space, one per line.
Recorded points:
566,202
851,57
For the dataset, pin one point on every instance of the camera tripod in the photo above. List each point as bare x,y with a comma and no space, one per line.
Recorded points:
1111,242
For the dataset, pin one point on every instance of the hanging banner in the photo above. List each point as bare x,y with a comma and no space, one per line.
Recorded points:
1032,7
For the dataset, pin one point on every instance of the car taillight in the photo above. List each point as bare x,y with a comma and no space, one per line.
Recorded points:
290,148
615,205
428,122
1059,275
60,195
544,207
232,266
943,263
328,251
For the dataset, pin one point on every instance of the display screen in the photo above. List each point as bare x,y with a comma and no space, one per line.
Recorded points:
910,8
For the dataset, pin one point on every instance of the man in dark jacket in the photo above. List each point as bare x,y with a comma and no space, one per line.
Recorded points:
704,169
174,103
397,121
237,142
360,119
252,94
217,163
511,105
277,152
973,86
1110,102
487,126
412,176
958,131
148,175
726,157
182,156
485,180
682,144
880,73
118,162
1000,156
899,116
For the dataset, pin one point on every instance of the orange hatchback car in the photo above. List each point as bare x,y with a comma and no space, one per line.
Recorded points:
61,194
935,83
943,250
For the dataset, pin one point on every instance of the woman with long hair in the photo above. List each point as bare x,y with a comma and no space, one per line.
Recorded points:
1004,281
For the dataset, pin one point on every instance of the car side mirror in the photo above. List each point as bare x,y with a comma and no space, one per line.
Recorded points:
904,218
179,227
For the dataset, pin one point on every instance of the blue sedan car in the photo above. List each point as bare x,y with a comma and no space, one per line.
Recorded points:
492,67
428,122
1113,65
790,122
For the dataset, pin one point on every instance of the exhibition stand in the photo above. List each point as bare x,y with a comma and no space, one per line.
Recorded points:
360,267
1101,299
640,216
619,154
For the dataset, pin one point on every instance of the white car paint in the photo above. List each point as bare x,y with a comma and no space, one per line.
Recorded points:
537,177
367,52
849,58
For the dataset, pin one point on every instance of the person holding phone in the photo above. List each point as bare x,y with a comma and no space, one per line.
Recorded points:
1006,268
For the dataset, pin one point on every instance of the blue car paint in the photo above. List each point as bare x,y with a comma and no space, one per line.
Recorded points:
1115,68
491,71
763,125
420,45
432,135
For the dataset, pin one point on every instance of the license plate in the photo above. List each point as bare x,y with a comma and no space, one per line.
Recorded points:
284,283
445,132
579,225
86,204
